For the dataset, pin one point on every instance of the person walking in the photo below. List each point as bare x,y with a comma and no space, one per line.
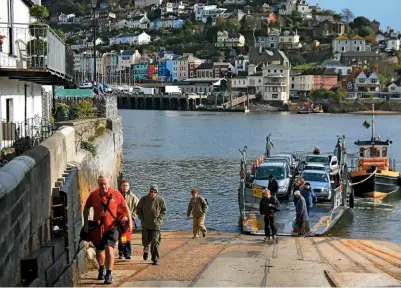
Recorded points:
124,250
273,186
310,198
198,206
151,210
301,211
105,202
268,207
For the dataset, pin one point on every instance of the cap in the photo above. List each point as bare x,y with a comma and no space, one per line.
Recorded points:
154,187
307,183
270,176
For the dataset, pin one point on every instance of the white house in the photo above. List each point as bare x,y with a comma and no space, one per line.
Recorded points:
147,3
276,83
63,18
301,6
204,12
234,2
135,22
365,84
395,87
131,39
343,44
176,8
85,44
301,84
241,63
393,44
289,39
24,67
338,67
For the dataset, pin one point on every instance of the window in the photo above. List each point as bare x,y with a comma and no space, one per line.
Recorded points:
275,96
392,88
374,80
293,86
9,110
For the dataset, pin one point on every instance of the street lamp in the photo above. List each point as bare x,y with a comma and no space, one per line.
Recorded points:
94,6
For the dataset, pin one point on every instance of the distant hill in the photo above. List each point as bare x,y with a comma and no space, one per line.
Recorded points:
79,7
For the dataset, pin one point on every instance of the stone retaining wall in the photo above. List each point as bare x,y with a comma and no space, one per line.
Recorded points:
28,185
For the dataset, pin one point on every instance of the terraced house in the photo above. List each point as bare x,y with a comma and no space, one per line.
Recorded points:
227,39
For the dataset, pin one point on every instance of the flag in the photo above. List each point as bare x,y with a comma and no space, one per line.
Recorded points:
366,124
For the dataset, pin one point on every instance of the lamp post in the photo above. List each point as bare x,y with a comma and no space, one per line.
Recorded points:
94,6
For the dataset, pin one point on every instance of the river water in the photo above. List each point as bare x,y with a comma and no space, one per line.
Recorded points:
181,150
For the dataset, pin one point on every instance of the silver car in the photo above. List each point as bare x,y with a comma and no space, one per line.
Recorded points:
319,182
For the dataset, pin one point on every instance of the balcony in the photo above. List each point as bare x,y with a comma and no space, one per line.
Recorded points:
271,82
34,52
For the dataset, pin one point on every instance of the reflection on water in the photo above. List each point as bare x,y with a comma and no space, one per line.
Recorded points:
180,150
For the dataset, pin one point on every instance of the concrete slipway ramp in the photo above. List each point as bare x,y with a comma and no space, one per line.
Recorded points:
232,260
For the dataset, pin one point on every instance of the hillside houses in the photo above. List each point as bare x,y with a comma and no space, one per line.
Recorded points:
226,39
131,39
205,12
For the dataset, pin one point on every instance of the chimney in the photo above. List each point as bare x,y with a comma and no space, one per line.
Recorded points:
376,69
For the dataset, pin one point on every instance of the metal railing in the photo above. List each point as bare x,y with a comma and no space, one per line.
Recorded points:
23,136
33,46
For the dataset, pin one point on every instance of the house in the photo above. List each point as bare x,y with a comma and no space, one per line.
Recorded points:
165,68
301,84
169,22
276,83
258,55
28,64
296,5
129,58
223,70
338,67
289,39
395,87
202,86
329,28
185,67
234,2
176,8
393,44
380,36
205,12
205,70
343,44
131,39
241,63
85,44
101,18
362,84
367,60
226,39
85,64
147,3
63,18
135,22
153,72
323,78
375,25
270,41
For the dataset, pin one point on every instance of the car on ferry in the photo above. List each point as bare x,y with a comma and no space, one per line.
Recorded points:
315,166
320,183
330,162
281,171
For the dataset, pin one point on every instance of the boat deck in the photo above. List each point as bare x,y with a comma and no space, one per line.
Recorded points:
321,218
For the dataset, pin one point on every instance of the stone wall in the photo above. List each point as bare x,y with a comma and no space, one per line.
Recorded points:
362,105
28,186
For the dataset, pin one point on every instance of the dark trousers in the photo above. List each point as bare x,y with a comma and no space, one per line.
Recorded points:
152,238
124,250
308,209
269,225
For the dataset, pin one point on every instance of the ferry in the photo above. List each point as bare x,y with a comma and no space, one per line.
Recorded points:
375,175
324,215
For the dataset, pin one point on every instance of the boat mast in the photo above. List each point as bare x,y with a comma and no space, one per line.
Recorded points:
373,122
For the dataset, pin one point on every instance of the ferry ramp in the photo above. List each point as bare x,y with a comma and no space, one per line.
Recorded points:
238,101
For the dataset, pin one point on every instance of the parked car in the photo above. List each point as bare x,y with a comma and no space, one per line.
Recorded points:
320,183
281,171
315,166
329,161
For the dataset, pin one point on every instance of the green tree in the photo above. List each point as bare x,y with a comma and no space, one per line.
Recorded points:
39,12
221,23
360,21
296,16
385,78
365,31
233,25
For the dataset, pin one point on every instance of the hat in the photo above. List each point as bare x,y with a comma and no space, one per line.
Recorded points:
270,176
297,193
307,183
154,187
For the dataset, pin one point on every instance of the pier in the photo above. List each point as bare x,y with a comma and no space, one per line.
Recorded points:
234,260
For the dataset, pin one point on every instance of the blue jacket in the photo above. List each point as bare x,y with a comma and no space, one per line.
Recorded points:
308,195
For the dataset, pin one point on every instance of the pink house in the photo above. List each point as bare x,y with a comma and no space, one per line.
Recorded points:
323,78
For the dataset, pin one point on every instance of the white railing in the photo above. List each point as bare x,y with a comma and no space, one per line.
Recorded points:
32,46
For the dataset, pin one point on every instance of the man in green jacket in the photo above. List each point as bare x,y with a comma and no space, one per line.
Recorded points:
124,250
198,206
151,210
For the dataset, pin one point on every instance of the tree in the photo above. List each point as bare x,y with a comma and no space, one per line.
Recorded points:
233,25
371,39
347,15
221,23
360,21
337,17
365,31
39,12
296,16
385,78
253,23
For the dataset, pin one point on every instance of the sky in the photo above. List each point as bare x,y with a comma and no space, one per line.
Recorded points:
387,12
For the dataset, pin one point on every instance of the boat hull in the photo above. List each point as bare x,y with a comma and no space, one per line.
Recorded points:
377,186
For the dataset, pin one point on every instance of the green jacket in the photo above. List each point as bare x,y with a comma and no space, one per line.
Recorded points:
132,202
151,212
198,206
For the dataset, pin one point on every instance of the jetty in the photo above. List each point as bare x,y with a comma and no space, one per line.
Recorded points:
234,260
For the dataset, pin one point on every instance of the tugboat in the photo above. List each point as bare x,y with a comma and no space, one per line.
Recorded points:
375,175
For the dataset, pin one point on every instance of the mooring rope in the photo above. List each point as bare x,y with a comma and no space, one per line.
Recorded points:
371,175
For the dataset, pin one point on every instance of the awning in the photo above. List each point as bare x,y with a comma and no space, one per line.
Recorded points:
77,93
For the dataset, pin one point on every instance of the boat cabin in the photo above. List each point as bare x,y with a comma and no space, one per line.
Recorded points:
374,153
